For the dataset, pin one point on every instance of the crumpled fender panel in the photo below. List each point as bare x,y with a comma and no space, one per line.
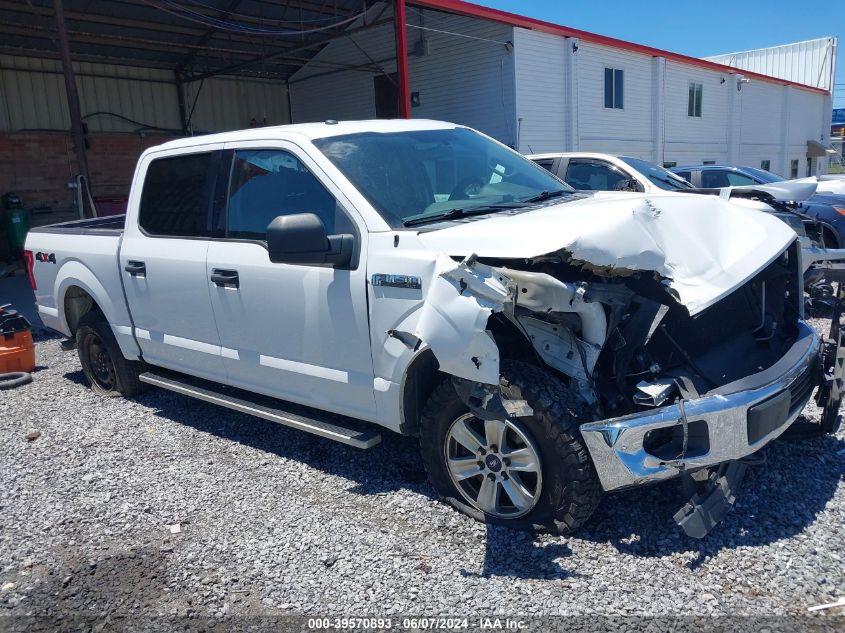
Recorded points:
453,322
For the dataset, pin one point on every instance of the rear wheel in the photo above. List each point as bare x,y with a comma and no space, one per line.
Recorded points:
524,472
105,367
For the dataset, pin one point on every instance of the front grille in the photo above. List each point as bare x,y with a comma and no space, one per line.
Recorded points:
800,390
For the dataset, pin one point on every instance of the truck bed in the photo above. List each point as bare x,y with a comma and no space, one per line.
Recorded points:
112,225
72,260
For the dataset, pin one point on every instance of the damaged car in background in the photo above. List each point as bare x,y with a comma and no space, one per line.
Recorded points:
545,346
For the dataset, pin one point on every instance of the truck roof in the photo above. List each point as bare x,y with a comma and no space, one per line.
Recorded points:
309,131
603,155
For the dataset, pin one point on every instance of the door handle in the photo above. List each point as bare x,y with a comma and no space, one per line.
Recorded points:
135,268
227,278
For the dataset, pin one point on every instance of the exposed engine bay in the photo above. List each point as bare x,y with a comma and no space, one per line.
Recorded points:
622,336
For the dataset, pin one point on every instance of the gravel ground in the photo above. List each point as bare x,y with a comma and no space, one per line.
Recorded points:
274,521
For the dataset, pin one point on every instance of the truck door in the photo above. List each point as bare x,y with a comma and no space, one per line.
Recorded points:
297,332
162,261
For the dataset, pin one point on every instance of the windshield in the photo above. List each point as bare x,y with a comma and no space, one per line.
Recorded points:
761,175
413,176
658,176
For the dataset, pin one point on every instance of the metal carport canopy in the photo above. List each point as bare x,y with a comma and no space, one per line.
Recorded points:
270,39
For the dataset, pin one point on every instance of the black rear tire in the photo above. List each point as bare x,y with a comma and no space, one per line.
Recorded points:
570,490
109,373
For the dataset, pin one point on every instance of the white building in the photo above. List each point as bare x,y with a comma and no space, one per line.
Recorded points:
542,87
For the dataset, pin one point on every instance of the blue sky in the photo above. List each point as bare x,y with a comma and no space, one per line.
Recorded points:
697,28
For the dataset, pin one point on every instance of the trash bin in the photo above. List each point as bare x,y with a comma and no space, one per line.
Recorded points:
15,223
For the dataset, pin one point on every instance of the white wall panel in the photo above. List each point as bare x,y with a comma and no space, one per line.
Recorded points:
619,131
541,84
691,139
467,76
761,128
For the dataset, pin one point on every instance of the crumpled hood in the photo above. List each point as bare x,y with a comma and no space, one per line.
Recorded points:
704,247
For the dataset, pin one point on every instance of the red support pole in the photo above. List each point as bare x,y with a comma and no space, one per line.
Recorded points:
402,59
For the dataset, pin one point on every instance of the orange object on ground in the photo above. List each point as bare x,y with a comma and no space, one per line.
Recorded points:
17,349
17,353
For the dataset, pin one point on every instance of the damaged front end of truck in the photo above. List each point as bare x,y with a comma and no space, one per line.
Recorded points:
689,370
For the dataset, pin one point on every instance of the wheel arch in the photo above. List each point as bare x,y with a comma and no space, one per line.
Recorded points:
78,290
74,280
76,303
419,380
423,374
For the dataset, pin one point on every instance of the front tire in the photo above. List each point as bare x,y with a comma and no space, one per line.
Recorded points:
527,472
108,372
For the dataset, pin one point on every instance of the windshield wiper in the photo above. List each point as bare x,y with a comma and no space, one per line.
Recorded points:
451,214
545,195
456,213
675,184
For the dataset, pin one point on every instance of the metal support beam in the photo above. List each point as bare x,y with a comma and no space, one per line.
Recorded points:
76,126
180,97
402,59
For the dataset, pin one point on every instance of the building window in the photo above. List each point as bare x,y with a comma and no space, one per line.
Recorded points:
766,164
614,80
694,101
793,168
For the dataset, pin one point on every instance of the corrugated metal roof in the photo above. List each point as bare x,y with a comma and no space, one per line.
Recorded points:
258,38
811,62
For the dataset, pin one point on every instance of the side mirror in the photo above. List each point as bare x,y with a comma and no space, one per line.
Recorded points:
301,239
629,185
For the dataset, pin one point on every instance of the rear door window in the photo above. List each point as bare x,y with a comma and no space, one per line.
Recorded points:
595,175
714,179
175,200
546,163
739,180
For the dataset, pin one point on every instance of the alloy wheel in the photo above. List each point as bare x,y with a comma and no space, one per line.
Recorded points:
494,464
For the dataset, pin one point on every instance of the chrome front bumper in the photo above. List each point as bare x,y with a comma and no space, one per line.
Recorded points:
617,445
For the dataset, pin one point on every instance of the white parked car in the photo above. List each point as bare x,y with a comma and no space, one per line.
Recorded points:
829,183
420,277
599,172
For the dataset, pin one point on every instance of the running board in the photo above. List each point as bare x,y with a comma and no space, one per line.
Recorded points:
292,415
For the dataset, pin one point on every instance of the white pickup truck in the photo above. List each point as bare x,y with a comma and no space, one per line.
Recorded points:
544,346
